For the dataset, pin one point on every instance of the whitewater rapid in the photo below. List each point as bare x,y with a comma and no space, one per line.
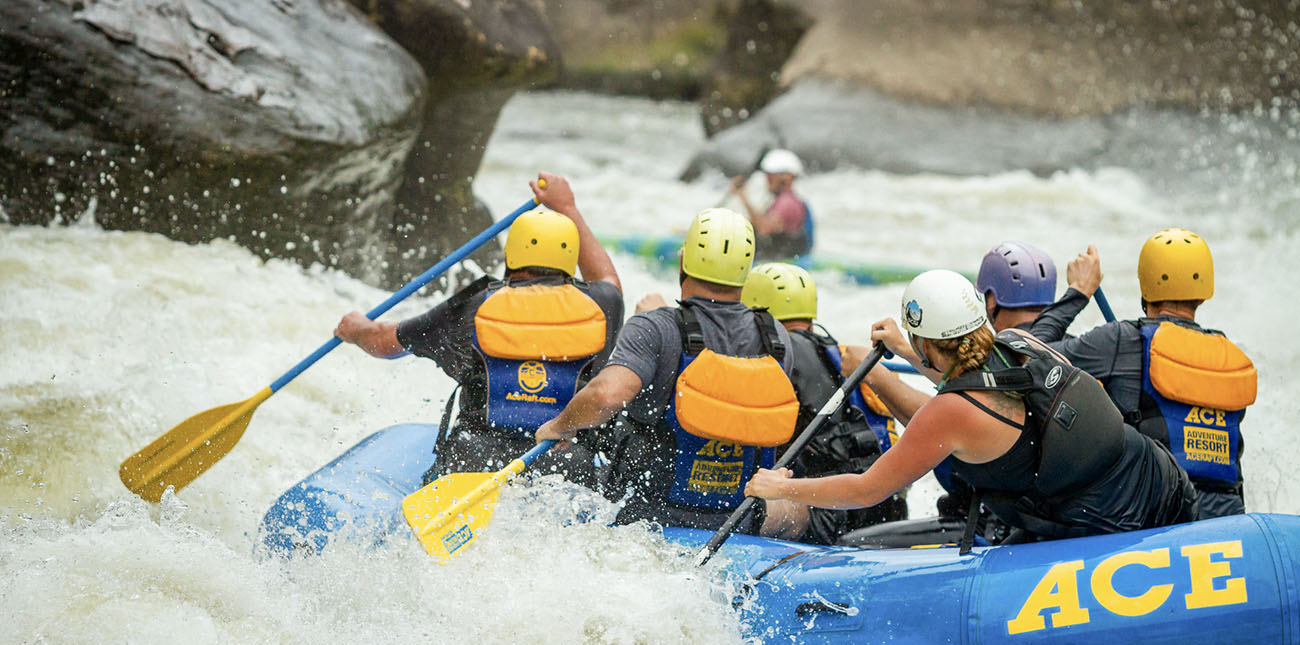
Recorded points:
111,338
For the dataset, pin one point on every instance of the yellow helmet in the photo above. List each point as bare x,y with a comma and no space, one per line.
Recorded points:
719,247
543,238
785,289
1175,264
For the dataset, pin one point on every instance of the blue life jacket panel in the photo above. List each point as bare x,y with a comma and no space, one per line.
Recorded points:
1201,384
535,342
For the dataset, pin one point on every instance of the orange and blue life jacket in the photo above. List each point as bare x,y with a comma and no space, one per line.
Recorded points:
535,342
727,415
1196,385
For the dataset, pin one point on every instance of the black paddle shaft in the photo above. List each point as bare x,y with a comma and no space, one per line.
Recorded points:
831,407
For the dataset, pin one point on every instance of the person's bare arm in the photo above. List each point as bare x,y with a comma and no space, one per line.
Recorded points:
901,398
927,442
886,331
763,225
593,261
594,404
378,339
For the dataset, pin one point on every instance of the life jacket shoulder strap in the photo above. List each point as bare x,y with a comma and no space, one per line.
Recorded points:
693,334
1010,379
767,326
824,344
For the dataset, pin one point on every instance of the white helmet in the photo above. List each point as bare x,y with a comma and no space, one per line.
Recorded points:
779,161
942,304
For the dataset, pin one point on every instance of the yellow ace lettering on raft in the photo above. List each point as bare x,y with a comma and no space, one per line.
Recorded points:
1205,568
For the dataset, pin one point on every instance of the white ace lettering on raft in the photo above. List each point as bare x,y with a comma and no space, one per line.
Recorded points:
1059,587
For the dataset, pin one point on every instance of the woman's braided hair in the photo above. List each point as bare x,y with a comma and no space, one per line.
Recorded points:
968,351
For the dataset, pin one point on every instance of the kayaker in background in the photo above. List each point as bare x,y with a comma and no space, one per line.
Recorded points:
785,229
1018,281
851,440
486,337
703,392
1070,469
1177,382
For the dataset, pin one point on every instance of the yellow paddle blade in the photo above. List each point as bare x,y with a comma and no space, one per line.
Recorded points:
449,513
186,451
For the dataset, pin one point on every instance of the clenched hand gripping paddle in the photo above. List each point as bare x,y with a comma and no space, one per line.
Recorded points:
831,407
188,450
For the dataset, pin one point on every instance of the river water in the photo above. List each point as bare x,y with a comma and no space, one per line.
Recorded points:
109,339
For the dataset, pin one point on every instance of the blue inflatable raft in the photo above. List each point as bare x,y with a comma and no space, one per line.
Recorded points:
1227,580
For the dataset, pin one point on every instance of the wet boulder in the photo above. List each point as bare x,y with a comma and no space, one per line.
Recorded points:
832,124
476,55
281,124
760,38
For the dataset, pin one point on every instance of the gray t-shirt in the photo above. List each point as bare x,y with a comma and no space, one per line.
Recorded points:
650,345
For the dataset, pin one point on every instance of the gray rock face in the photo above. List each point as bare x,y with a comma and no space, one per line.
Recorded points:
1059,57
283,124
475,55
831,125
760,38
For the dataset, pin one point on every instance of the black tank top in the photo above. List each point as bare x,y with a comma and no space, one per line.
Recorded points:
1013,471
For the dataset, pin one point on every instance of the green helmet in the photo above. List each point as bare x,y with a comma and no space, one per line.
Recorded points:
719,247
785,289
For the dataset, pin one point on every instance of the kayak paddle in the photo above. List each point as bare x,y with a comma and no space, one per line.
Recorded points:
188,450
832,405
450,512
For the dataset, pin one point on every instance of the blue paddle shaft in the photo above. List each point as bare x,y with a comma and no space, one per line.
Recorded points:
413,286
1103,305
537,451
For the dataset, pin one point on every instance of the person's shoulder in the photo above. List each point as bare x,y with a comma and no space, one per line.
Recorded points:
945,412
594,287
1112,331
1189,324
662,318
606,294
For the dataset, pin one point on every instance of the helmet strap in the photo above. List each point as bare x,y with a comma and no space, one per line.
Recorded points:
920,351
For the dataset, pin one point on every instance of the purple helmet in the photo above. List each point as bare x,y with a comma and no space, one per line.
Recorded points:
1019,275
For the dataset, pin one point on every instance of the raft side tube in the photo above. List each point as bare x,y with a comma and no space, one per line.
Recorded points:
1226,580
356,496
